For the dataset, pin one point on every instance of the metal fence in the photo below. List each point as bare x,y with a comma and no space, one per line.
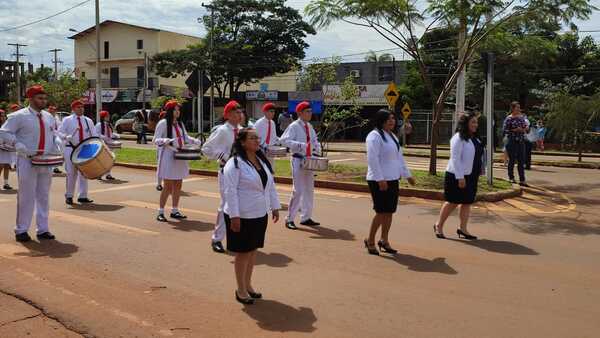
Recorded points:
421,121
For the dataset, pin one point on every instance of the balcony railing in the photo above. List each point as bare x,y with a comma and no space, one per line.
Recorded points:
125,83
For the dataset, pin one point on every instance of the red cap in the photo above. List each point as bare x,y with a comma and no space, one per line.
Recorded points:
302,106
34,90
76,103
171,104
229,107
104,114
14,106
162,115
268,106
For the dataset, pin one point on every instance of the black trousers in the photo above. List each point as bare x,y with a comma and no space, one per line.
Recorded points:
516,153
141,137
528,151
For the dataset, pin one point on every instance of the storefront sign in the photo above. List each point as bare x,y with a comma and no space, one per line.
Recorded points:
255,95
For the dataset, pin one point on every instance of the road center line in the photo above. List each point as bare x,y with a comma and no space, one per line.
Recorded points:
342,160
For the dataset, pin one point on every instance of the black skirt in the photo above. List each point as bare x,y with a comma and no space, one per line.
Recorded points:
385,202
456,195
251,235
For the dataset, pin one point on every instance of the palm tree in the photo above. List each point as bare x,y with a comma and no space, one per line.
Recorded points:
372,57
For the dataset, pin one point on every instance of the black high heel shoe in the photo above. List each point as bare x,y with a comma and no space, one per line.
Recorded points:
255,295
462,234
385,247
371,249
437,234
245,301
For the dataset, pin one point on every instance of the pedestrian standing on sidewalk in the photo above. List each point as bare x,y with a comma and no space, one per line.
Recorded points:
462,175
515,128
386,166
541,134
139,127
249,193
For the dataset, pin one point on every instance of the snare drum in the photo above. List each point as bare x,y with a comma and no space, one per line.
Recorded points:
92,158
7,147
112,144
189,152
275,151
315,163
47,160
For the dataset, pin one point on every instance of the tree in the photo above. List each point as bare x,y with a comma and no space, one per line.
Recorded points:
570,115
64,91
400,21
373,57
40,74
252,39
159,102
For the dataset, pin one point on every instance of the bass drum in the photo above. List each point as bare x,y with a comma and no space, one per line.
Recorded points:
93,158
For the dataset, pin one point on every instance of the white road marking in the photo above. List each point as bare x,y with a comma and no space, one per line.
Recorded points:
342,160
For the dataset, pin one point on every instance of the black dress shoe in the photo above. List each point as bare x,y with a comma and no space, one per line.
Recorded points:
7,187
309,222
159,187
85,200
218,247
178,215
255,295
371,248
46,235
69,200
23,237
161,218
291,225
57,171
385,247
110,178
437,234
245,301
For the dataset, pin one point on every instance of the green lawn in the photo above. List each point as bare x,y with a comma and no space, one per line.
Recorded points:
337,172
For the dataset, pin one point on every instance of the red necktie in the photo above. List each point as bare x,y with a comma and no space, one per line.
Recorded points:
179,141
80,129
235,134
308,150
42,142
269,133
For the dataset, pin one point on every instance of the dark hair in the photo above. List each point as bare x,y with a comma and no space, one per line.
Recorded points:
103,125
169,116
381,118
463,125
238,150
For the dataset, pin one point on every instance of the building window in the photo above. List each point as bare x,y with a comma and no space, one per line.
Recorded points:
114,77
106,50
386,73
83,75
140,76
140,44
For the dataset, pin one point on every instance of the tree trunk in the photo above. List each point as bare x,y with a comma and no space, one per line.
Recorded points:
435,129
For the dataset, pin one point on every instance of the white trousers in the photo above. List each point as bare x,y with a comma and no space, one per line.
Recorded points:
34,193
73,177
220,229
302,193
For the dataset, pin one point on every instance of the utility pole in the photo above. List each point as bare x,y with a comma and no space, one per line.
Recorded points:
56,62
212,85
98,67
18,69
145,80
200,103
489,113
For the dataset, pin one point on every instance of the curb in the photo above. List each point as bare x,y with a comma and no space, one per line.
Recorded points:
355,187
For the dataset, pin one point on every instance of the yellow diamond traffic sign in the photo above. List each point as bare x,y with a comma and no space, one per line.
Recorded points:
406,111
391,95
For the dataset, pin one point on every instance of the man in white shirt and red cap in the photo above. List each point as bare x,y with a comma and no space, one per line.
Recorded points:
300,137
74,129
266,128
218,147
31,130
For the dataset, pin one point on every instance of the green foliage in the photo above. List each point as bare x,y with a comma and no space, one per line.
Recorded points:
159,102
64,90
40,74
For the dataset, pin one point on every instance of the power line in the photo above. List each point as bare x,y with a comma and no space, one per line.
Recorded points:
44,19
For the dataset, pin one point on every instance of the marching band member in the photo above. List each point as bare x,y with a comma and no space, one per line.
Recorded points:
31,131
52,110
302,140
249,194
7,159
266,129
74,129
218,147
105,131
159,180
386,166
14,107
170,133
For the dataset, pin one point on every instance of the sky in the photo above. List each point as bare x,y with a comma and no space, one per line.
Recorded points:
173,15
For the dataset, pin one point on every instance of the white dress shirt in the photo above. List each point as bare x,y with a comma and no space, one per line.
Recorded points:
69,129
244,194
22,128
384,158
294,138
262,129
219,143
462,154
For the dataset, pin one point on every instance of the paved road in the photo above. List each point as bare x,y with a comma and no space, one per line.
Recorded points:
115,272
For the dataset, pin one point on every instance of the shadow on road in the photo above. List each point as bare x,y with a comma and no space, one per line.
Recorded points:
97,207
116,181
326,233
190,225
12,191
52,249
272,315
419,264
273,259
503,247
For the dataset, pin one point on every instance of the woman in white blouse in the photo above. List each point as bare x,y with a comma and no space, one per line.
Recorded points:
169,135
386,166
462,175
249,193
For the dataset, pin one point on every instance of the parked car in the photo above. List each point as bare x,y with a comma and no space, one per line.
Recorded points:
125,123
